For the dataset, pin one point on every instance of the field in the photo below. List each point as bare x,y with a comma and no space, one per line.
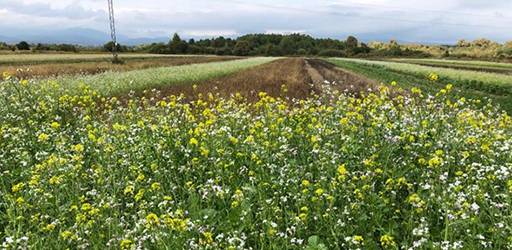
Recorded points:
39,66
467,83
484,66
256,153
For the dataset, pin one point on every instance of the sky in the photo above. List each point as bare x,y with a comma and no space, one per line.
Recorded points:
433,21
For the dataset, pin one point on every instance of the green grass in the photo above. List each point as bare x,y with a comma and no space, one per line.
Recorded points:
504,68
407,77
458,62
113,83
488,81
42,58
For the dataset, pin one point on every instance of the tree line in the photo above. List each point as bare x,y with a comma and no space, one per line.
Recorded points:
291,45
260,45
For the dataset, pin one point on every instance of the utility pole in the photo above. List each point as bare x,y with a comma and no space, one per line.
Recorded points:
115,58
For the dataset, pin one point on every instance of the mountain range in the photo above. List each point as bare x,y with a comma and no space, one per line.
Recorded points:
80,36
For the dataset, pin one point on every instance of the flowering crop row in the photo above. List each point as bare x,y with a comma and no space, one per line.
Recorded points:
380,171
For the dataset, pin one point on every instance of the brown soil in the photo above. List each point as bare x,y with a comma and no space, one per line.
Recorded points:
324,73
301,77
268,78
54,69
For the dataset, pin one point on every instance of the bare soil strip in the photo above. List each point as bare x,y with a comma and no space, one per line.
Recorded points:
269,78
90,68
323,72
301,78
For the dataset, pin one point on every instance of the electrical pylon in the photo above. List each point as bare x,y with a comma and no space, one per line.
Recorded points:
115,58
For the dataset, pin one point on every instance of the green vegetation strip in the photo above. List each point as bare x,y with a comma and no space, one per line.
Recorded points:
112,83
502,69
497,84
409,80
457,62
24,59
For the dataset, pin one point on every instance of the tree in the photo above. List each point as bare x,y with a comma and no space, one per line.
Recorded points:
288,46
463,43
110,46
242,48
352,42
23,46
177,46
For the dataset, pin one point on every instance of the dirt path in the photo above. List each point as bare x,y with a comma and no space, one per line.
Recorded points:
323,73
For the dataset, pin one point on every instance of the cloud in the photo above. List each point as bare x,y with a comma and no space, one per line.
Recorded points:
41,9
406,20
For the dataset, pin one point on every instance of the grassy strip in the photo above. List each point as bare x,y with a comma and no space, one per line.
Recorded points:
31,59
408,80
457,62
487,82
457,65
112,83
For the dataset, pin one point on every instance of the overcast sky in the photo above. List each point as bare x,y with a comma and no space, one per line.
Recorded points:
437,21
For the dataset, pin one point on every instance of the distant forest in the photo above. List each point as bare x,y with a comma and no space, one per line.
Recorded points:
292,45
270,45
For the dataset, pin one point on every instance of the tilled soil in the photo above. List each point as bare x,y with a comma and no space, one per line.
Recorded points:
324,73
268,78
300,77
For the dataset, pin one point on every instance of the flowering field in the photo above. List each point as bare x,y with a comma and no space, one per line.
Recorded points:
329,172
471,84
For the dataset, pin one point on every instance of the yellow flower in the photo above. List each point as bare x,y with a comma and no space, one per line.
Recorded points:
305,183
139,195
129,190
50,227
6,75
55,125
24,83
435,162
208,238
233,140
387,241
433,77
319,192
416,91
55,180
193,142
66,235
358,238
155,186
20,201
342,170
79,148
126,244
17,187
43,137
140,177
152,220
394,83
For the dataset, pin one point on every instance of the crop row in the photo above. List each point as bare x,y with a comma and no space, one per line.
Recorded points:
497,84
467,88
112,83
